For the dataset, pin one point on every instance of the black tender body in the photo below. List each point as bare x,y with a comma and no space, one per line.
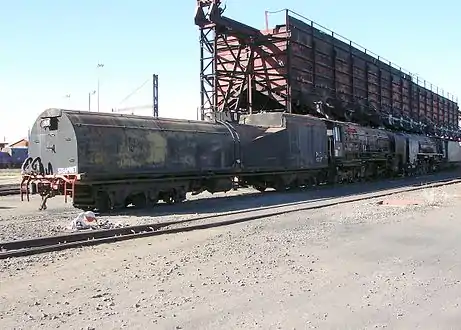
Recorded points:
106,145
289,142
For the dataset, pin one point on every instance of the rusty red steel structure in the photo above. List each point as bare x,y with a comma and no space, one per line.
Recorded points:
301,67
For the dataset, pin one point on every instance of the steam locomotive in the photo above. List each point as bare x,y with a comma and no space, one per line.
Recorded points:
105,161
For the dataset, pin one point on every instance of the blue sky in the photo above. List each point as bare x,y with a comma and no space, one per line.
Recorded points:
51,48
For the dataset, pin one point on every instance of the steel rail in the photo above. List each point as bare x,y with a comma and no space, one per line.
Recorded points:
61,242
9,189
12,191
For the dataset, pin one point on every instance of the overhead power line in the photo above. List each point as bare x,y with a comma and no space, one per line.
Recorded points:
135,91
138,107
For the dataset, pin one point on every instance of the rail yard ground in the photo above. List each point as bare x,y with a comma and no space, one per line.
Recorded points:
350,266
10,176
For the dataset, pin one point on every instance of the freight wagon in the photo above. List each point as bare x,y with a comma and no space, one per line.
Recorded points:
325,68
300,67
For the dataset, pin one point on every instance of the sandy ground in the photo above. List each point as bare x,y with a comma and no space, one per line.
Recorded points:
353,266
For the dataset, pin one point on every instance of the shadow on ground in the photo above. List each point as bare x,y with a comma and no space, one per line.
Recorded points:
273,198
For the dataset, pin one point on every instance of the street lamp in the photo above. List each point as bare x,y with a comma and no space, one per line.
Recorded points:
89,99
67,96
100,65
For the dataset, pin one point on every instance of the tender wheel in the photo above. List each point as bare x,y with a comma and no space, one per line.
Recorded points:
169,199
102,202
139,201
174,196
280,186
153,201
180,196
261,187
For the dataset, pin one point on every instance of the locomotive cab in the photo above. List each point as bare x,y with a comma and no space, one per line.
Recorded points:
335,141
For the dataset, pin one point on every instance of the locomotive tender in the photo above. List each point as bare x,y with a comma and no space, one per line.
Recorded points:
106,161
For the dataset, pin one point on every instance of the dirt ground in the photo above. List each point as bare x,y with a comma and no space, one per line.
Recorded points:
352,266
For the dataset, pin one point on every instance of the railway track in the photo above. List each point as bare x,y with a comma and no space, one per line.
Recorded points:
94,237
9,189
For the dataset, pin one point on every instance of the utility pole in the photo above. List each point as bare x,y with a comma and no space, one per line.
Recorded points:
89,99
155,95
67,96
100,65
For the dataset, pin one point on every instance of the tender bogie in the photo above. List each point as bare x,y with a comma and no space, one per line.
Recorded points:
105,197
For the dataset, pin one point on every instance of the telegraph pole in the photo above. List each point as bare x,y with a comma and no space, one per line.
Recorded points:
67,96
89,99
100,65
155,95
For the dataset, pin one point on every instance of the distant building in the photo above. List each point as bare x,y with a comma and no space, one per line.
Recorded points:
13,154
23,143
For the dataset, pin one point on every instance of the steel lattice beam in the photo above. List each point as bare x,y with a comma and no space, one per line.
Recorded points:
228,75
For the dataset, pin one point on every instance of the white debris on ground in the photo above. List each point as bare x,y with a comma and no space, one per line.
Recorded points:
85,220
88,220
